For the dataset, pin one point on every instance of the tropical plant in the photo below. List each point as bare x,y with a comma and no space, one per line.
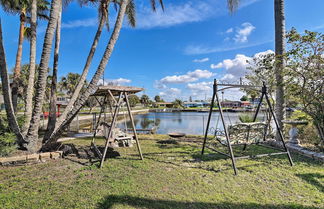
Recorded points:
133,100
177,103
144,100
157,98
21,8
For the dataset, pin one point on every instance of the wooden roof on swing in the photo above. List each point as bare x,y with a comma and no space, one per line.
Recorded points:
116,90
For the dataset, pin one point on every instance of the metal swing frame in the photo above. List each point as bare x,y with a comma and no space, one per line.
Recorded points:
117,94
264,95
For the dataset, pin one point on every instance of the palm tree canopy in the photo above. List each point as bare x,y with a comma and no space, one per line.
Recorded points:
16,7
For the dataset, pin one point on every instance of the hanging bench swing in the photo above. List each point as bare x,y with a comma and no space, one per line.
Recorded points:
114,97
242,133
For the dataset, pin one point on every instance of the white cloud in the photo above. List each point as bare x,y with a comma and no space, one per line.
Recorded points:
202,86
244,32
170,93
80,23
237,68
189,77
117,82
201,60
174,14
201,49
230,30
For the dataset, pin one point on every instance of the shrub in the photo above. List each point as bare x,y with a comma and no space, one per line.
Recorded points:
246,118
7,138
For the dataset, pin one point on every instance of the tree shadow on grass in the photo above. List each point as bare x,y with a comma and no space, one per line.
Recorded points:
314,179
138,202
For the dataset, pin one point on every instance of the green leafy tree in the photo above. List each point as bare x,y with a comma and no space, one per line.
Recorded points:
306,72
244,98
145,100
157,98
177,103
133,100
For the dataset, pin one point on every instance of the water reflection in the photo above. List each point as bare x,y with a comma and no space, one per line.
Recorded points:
186,122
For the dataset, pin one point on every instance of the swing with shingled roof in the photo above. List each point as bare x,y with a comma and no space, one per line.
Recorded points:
115,97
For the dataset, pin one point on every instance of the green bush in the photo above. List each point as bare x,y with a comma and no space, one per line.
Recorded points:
7,138
246,118
7,143
307,134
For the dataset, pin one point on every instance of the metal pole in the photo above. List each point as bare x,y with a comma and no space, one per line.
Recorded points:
133,126
279,130
226,133
209,116
110,130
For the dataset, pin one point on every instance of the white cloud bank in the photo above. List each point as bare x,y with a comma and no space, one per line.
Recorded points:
174,14
190,76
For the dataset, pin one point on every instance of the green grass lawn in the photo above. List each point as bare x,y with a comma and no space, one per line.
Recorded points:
171,176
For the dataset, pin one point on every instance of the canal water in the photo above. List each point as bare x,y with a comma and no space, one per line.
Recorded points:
192,123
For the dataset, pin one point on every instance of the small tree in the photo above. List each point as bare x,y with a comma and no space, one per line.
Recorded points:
178,103
157,98
145,100
306,72
133,100
244,98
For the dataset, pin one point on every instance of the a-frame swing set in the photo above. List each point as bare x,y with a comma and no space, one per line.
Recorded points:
115,97
228,138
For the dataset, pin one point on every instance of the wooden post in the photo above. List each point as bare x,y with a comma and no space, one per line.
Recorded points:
110,130
133,125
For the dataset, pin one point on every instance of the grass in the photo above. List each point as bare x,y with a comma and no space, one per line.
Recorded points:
171,176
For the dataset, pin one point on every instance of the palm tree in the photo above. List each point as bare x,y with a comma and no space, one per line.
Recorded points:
52,110
22,8
32,67
12,120
280,63
93,83
103,11
32,134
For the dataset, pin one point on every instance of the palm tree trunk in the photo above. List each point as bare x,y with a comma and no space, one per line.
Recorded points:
93,83
52,112
280,62
13,124
84,72
32,134
16,75
32,67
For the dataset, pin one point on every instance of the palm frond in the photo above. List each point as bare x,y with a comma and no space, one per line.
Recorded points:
233,5
131,13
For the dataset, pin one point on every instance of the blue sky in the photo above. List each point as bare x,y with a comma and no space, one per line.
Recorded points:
176,53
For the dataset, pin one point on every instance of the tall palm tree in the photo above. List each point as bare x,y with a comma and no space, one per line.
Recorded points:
93,83
52,110
32,66
32,134
81,99
22,8
280,63
103,12
12,120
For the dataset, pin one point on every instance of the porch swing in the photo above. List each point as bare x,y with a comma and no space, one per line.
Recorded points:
241,133
115,97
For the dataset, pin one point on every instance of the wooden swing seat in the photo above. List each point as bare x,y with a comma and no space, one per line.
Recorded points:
119,138
245,133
